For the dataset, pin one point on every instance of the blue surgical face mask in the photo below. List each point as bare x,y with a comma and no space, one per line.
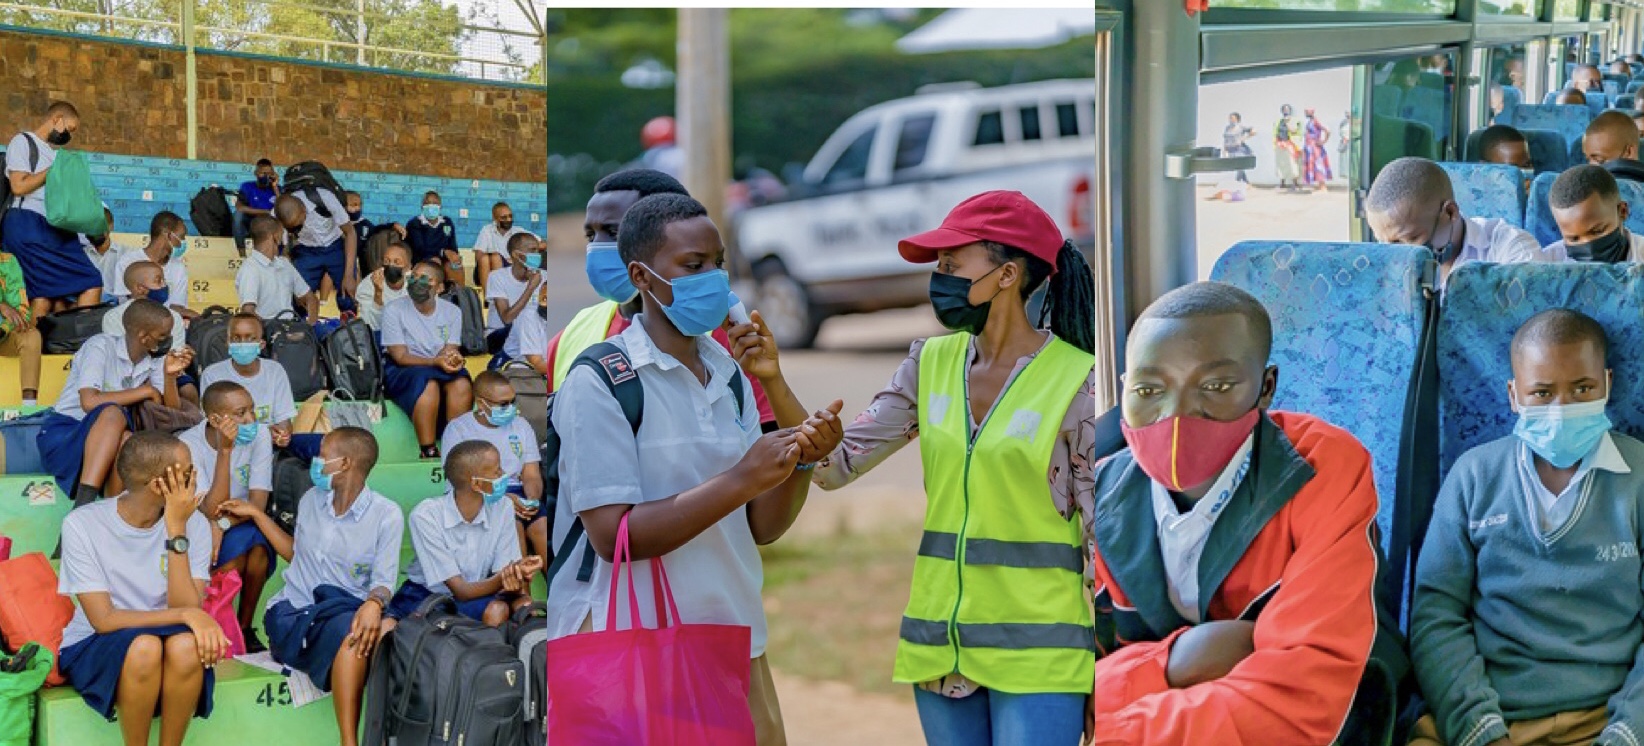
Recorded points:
246,433
503,416
701,301
608,274
533,260
1563,433
316,472
159,295
244,353
499,488
180,249
431,212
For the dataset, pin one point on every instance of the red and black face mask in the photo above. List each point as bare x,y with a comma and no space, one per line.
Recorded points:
1185,452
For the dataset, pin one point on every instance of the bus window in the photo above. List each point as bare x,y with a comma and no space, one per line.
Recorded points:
1567,10
1507,7
1411,102
1424,7
1293,124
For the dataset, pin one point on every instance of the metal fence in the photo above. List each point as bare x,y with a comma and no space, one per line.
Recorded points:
497,40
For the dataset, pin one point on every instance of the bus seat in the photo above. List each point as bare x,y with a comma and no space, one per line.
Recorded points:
1488,190
1352,339
1632,86
1431,80
1569,121
1392,138
1637,68
1538,216
1548,151
1425,105
1624,102
1386,97
1596,102
1617,79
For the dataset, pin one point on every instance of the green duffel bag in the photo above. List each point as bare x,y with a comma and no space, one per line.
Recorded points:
72,203
17,690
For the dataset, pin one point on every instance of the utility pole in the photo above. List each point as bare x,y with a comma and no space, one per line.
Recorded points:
702,106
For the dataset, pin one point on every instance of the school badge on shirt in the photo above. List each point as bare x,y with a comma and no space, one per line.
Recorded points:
515,446
244,473
361,571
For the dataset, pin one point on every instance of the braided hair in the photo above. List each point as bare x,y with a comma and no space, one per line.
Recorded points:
1069,310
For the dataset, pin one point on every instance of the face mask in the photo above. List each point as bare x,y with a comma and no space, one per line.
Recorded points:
354,215
499,489
180,249
533,261
96,241
504,415
59,137
1185,452
950,296
161,348
420,289
608,274
245,434
1610,248
431,213
505,226
1563,433
1449,250
701,301
159,295
316,473
265,181
393,274
244,353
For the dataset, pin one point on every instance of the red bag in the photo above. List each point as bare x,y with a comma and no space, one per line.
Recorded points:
31,610
219,603
678,685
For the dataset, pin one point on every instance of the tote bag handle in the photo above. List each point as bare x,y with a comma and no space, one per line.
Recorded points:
662,591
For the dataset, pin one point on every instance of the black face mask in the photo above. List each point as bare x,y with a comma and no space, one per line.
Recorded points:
1609,248
505,226
59,137
393,274
161,348
1449,250
950,296
420,292
265,181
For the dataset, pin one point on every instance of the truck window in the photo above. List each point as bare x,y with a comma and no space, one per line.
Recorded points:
852,165
913,141
1030,122
1067,119
990,128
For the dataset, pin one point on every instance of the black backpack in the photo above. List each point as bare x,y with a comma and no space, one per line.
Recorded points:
309,177
6,197
353,362
527,632
210,213
64,333
292,344
291,481
619,376
442,678
208,335
473,318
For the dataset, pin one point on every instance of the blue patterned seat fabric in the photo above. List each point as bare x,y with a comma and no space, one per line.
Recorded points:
1596,102
1538,216
1488,190
1569,121
1548,151
1347,323
1484,304
1625,102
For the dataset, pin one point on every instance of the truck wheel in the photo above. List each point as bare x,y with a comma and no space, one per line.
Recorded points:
785,305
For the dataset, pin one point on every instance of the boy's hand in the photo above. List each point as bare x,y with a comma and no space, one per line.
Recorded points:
521,511
510,578
237,509
178,361
529,566
227,430
754,347
377,281
820,433
176,486
771,459
281,434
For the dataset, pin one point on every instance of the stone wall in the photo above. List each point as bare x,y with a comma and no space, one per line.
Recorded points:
133,101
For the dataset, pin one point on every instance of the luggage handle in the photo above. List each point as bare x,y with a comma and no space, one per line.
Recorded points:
663,593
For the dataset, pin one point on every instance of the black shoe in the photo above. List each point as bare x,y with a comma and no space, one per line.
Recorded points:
253,643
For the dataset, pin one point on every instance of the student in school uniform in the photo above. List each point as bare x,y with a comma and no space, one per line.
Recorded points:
364,228
267,382
496,420
423,370
344,559
326,243
386,284
466,544
491,245
137,567
104,254
698,484
19,337
1592,217
234,460
146,279
267,283
511,292
528,337
256,199
433,238
167,242
58,272
109,376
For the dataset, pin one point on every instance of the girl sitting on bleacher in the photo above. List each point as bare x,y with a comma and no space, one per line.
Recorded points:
423,370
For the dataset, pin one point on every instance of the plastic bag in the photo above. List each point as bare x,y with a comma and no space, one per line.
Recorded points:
17,697
219,603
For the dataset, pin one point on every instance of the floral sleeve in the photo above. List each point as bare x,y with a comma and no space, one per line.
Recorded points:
890,422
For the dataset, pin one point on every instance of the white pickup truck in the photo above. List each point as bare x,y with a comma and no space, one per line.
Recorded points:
896,169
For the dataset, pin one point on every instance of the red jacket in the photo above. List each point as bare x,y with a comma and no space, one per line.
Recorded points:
1295,550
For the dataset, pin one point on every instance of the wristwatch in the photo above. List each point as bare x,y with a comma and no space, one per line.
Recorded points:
177,545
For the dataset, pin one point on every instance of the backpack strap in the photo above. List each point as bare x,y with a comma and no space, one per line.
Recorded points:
620,378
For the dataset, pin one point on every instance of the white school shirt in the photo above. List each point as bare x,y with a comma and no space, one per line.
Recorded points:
250,467
1553,511
1496,241
1182,535
271,284
17,159
528,336
114,323
356,551
102,364
107,264
371,312
270,388
423,336
690,434
492,241
516,443
319,231
176,274
104,554
1558,252
448,546
502,284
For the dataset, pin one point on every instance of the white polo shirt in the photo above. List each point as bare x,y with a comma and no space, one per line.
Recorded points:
250,467
423,336
517,443
492,241
270,388
448,546
319,231
102,364
369,310
529,336
356,551
176,274
502,285
17,160
270,283
104,554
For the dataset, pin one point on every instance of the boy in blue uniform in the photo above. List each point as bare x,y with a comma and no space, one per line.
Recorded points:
345,555
256,198
433,238
137,567
495,420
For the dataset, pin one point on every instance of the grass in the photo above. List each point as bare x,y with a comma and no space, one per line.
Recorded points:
834,605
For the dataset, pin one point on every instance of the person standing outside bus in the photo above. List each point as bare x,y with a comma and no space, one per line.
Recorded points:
1316,158
1236,140
1005,415
1287,141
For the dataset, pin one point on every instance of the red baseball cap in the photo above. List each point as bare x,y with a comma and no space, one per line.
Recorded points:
1008,218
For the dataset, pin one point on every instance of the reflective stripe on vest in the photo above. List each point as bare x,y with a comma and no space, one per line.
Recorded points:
586,329
998,585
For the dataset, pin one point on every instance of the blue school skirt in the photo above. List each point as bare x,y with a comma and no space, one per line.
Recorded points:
238,541
308,639
53,263
411,595
62,442
403,384
92,666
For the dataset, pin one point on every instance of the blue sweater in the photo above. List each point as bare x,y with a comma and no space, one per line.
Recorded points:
427,241
1508,627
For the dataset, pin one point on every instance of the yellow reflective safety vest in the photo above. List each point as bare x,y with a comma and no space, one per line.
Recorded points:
998,586
586,329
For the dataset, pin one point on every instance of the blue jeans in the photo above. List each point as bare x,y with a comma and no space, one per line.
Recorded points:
989,718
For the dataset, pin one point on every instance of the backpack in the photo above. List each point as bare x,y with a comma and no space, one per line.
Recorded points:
64,333
209,211
6,197
20,677
292,344
353,361
473,318
72,202
20,449
527,632
619,376
442,678
291,481
208,335
309,177
530,394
